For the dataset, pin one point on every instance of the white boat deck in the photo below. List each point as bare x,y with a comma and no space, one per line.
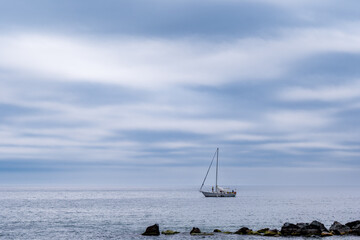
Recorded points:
219,194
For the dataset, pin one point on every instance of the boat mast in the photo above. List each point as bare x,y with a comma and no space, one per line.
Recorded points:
208,171
217,166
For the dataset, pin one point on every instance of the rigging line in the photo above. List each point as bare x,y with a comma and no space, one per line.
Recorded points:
208,170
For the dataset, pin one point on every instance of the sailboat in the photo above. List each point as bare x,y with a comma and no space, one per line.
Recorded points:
218,191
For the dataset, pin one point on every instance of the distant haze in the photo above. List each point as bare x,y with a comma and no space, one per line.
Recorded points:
142,92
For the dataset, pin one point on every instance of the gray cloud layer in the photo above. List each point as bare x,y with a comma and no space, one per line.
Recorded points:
144,85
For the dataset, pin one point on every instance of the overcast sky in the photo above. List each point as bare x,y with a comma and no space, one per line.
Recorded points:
141,92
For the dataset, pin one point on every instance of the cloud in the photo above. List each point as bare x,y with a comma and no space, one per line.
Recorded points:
140,63
153,63
146,18
142,116
325,93
299,120
246,137
146,95
306,145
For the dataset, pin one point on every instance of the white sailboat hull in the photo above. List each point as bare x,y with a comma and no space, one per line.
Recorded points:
219,194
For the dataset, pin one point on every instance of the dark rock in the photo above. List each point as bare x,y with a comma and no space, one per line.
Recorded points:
243,231
319,225
195,230
290,229
217,230
272,232
301,225
356,230
152,230
355,227
263,230
314,228
310,230
339,229
353,224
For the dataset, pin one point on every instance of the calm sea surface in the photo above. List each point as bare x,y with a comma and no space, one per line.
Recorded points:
46,213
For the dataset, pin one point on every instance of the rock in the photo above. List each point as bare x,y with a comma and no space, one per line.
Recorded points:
169,232
217,230
244,231
314,228
355,227
326,234
302,225
353,224
272,233
339,229
311,229
227,232
195,230
152,230
263,230
319,225
290,229
356,230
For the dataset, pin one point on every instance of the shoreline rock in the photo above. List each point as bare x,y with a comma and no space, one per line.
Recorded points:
195,230
315,228
272,233
290,229
354,224
355,227
244,231
339,229
152,230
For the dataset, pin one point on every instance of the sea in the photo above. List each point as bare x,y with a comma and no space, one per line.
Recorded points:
124,213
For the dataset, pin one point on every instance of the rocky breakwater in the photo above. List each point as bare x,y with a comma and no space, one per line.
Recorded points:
315,228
